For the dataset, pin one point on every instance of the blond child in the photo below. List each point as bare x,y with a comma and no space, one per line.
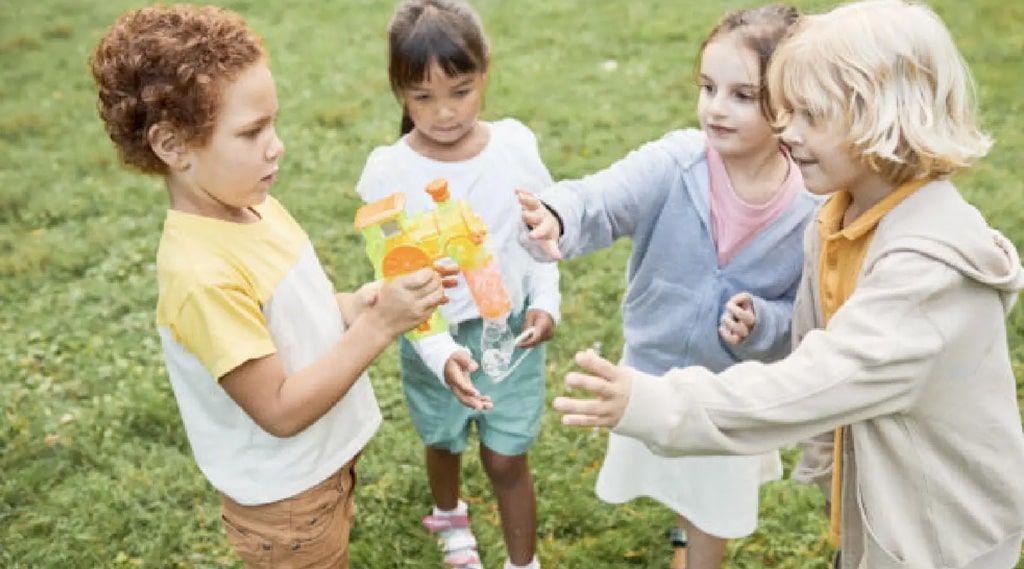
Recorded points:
900,318
267,363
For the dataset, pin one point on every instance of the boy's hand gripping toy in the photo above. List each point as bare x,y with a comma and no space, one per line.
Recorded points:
398,244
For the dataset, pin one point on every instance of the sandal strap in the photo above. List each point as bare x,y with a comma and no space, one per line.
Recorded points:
467,560
677,536
458,541
435,523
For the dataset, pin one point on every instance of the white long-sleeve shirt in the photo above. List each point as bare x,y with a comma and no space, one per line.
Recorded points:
488,182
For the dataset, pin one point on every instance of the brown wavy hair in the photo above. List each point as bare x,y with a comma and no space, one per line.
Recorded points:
761,30
168,64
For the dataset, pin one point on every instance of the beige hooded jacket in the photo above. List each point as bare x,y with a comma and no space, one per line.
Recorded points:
917,362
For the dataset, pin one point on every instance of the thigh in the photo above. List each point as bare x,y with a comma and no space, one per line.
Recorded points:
438,417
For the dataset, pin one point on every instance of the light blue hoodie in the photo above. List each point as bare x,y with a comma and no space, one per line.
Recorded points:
658,195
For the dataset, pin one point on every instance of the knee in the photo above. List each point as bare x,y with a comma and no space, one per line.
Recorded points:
505,470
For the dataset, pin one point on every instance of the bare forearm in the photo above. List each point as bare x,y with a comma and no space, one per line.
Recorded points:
345,306
309,393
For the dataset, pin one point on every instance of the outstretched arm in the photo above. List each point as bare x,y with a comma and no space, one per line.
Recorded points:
872,360
591,213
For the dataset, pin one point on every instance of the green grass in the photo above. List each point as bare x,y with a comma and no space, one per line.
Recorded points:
96,470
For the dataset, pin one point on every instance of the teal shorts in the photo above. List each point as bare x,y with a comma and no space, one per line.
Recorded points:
509,428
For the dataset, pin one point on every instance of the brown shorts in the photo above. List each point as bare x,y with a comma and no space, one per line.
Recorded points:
308,530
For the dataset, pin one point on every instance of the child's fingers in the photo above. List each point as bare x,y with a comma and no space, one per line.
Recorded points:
418,279
431,300
735,327
727,335
596,386
460,383
446,270
476,402
550,247
533,217
581,412
741,314
465,361
527,199
592,362
744,300
546,228
572,405
585,421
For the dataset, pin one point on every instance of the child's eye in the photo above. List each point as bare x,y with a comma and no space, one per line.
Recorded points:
707,87
252,133
462,92
746,96
421,97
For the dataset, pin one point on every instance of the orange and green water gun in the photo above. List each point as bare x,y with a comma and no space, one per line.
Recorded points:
398,244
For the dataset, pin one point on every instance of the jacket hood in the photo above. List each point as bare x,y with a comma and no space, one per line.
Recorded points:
955,233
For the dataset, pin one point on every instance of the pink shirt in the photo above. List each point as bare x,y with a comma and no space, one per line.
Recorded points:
735,222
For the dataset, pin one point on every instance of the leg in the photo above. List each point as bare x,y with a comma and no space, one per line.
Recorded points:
513,485
705,551
679,551
443,469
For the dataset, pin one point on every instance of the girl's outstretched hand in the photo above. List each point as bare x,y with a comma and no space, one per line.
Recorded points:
457,372
610,384
545,229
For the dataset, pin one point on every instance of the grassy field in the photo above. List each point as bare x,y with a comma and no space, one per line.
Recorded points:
95,469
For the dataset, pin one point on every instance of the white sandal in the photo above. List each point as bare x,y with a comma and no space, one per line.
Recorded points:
456,540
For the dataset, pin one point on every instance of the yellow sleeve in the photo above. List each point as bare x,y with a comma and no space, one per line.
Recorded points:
223,326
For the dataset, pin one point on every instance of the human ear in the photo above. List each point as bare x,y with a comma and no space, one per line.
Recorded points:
167,145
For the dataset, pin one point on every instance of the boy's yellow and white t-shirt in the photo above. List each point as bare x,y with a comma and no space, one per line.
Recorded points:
233,292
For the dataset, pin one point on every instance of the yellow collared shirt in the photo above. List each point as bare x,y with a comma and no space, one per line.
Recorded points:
842,254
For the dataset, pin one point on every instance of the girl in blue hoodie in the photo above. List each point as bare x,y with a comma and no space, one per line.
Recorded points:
715,216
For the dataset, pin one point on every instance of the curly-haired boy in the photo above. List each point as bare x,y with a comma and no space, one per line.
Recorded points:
267,363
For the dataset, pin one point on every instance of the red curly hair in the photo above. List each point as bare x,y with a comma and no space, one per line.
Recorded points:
168,64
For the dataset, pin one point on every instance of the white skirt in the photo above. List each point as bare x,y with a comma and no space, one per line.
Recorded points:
718,494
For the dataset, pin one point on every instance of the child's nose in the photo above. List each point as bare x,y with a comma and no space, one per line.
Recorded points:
716,106
276,148
789,136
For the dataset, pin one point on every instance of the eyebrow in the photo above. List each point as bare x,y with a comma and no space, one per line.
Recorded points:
258,122
739,86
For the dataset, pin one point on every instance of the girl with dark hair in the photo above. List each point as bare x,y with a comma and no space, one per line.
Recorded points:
438,64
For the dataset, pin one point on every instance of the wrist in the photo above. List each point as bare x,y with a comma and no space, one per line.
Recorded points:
558,218
374,328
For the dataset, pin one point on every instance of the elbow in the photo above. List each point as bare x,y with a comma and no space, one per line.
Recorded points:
282,426
284,431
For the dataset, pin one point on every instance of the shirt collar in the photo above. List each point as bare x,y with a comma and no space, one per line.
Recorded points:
830,218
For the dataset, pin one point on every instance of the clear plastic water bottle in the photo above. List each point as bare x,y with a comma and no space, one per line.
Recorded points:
496,345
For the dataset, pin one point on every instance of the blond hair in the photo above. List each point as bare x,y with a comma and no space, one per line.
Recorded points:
890,72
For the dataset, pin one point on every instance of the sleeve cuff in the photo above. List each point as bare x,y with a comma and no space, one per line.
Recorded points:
645,415
758,338
549,305
435,351
559,202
